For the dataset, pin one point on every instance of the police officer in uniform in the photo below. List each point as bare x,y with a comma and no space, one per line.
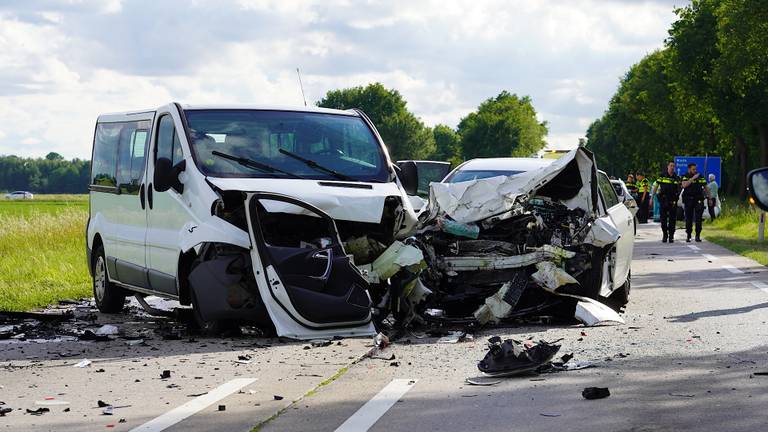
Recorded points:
644,197
631,186
668,191
694,187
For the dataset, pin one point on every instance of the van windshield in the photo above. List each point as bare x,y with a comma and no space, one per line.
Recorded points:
336,146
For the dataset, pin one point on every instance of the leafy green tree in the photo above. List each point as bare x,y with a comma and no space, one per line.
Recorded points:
502,126
53,156
404,134
447,145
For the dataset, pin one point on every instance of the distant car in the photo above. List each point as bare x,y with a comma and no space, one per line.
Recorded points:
624,196
19,195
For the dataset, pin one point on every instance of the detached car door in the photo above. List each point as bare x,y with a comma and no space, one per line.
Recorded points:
622,219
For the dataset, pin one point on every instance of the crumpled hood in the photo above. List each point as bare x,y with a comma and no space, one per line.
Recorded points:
475,200
358,202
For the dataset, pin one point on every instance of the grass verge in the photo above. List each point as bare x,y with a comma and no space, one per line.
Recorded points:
42,252
736,230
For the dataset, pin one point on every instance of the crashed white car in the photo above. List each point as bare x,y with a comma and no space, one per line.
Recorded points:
507,237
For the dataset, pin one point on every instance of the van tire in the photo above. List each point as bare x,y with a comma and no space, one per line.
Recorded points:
109,297
209,328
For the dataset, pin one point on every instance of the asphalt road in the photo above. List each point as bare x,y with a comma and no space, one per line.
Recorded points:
685,360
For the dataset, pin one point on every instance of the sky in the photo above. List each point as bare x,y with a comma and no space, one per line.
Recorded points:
62,63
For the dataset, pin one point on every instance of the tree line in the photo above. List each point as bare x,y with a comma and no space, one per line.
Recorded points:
704,93
504,125
52,174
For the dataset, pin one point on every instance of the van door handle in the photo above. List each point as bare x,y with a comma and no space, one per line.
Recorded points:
142,196
149,195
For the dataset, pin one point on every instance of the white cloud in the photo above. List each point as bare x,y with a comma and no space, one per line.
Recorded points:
61,64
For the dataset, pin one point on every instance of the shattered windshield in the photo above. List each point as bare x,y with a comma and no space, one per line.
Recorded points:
336,146
467,175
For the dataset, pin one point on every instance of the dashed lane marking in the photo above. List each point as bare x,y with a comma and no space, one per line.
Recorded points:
760,285
732,269
694,247
194,406
709,257
368,414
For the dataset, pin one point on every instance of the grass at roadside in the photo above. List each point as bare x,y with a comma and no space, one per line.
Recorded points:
42,251
736,230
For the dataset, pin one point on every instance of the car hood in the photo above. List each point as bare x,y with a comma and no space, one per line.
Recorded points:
351,201
476,200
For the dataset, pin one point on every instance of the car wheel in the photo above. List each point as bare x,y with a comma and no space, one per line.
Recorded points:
620,297
109,297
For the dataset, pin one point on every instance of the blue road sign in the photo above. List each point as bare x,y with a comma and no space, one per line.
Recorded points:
706,165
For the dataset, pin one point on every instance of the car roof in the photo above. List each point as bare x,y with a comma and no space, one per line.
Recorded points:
148,114
509,163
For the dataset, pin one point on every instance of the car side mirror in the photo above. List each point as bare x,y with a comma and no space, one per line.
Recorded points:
409,177
757,181
167,175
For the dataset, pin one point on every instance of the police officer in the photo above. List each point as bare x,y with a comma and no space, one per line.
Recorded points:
668,191
631,186
694,187
644,197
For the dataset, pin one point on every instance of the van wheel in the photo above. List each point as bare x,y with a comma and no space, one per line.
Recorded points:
209,328
109,297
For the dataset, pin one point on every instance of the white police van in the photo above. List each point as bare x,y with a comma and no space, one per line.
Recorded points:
240,212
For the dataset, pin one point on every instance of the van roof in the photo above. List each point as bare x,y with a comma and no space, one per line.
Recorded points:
149,113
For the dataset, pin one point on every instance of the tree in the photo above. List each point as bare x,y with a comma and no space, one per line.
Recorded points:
404,134
502,126
447,144
53,156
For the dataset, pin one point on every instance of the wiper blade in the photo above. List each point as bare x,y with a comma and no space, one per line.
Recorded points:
250,163
312,164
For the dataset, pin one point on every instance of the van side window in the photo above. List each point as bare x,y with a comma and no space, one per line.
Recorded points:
104,166
168,145
132,155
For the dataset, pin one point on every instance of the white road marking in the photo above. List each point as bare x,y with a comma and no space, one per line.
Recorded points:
694,247
732,269
709,257
368,414
194,406
760,285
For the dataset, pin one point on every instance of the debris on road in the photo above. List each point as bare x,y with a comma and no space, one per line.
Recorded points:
222,407
82,363
38,411
595,393
483,381
512,357
278,397
165,374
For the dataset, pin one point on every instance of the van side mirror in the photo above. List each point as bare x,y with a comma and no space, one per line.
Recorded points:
167,176
409,176
757,181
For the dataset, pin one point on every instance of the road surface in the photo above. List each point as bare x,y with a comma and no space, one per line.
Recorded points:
685,360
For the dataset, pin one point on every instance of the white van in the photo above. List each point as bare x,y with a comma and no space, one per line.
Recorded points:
240,212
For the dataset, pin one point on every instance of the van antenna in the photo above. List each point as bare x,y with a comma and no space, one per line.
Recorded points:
301,86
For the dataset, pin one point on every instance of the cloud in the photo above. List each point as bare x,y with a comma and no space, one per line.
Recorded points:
63,63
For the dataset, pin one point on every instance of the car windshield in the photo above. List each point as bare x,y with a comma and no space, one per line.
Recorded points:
467,175
295,144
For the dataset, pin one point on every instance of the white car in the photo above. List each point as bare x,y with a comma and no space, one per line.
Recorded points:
19,195
482,187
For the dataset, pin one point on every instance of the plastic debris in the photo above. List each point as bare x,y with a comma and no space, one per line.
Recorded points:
277,397
222,407
512,357
4,411
107,330
595,393
51,402
83,363
38,411
165,374
483,381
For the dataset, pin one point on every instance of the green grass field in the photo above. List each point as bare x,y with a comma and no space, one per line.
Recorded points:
42,251
736,229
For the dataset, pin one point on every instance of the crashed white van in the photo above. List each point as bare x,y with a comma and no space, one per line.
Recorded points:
240,212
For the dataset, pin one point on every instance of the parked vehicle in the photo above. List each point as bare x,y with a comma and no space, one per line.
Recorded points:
19,195
241,212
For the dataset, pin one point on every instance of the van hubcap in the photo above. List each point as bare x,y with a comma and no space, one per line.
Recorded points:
99,279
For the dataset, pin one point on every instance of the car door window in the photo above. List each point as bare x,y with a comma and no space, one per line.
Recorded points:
606,190
132,154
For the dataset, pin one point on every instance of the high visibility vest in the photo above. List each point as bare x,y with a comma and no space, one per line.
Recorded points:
643,186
